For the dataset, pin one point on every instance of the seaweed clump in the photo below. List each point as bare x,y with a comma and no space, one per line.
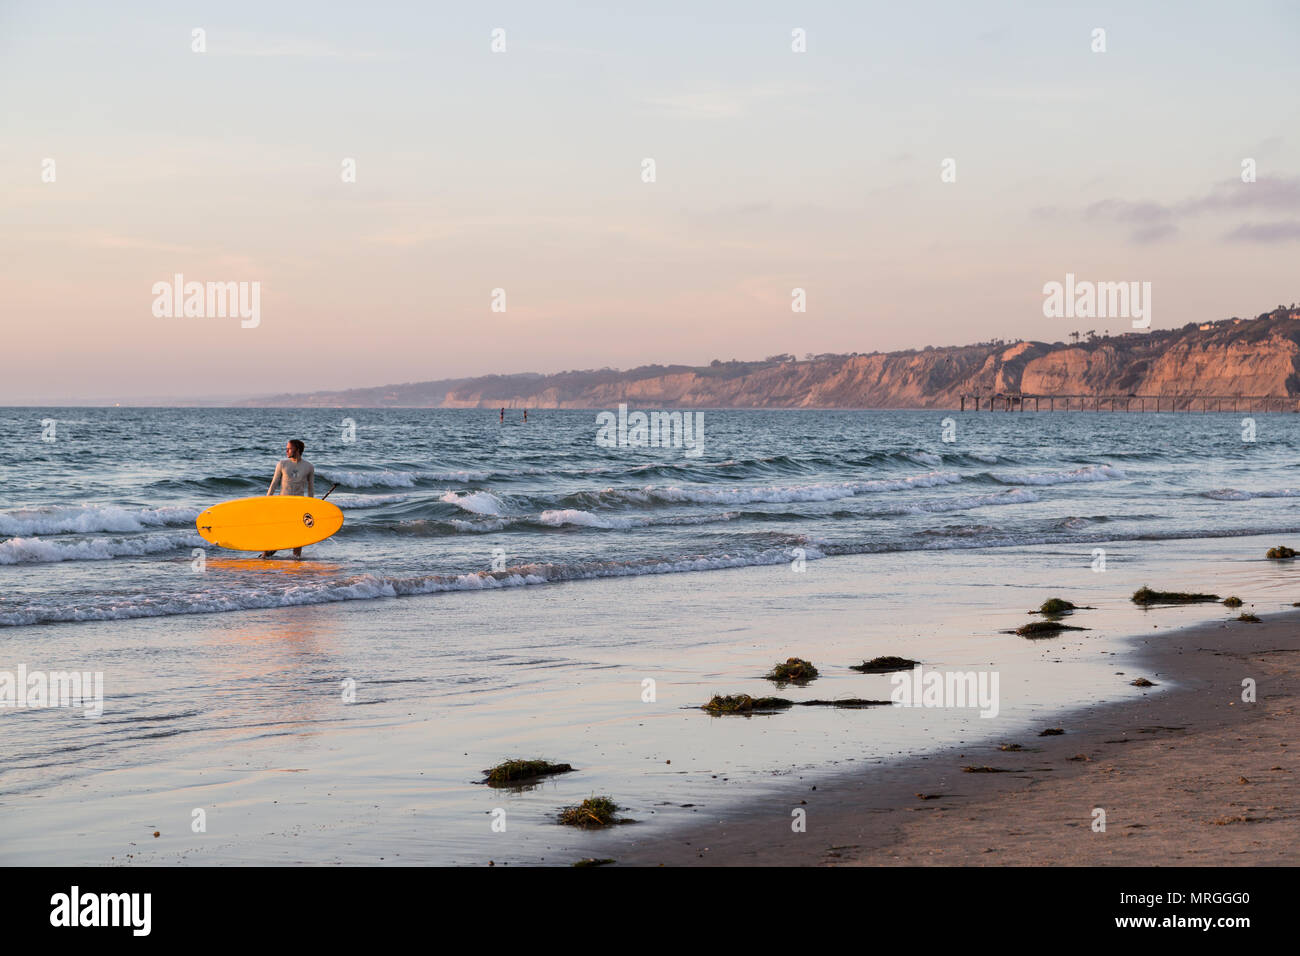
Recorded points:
795,670
1233,601
850,702
1145,596
591,814
744,704
1142,682
883,665
1249,618
1044,628
515,771
1281,552
1055,607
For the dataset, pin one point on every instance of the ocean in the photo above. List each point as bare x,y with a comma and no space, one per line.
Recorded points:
98,524
505,590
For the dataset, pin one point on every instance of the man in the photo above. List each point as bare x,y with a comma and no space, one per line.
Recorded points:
296,476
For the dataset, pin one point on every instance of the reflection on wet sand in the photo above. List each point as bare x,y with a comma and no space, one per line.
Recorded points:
273,668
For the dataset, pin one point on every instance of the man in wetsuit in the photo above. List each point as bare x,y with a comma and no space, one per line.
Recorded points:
296,476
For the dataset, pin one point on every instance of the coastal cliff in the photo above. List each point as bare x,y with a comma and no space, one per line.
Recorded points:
1233,357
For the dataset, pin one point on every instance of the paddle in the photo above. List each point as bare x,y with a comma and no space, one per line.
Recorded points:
327,494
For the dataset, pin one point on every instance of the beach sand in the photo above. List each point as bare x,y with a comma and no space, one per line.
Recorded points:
1189,774
240,715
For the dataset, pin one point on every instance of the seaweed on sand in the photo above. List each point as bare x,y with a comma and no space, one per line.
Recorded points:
1055,607
1044,629
1145,596
883,665
591,814
744,704
795,670
1281,552
516,771
850,702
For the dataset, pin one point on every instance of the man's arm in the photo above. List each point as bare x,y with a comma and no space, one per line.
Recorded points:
274,478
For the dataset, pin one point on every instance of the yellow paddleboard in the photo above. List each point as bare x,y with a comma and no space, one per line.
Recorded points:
269,522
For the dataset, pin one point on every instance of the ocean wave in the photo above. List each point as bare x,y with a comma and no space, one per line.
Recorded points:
553,518
1235,494
479,527
923,458
1073,522
959,531
1012,496
475,502
388,478
1086,473
90,519
573,516
38,550
368,501
777,494
374,586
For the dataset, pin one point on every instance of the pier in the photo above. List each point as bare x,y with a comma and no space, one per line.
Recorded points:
1019,402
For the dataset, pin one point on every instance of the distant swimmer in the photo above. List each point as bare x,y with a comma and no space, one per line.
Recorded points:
503,415
525,414
296,476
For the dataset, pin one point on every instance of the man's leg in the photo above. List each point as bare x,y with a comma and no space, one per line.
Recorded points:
267,554
297,553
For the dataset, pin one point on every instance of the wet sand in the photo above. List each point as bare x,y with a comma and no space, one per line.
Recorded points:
1187,774
242,716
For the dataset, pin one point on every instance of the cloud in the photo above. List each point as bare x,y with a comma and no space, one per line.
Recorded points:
1122,210
1266,232
1146,235
1275,192
1151,221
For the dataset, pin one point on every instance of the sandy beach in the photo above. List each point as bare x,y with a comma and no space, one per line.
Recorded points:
1190,774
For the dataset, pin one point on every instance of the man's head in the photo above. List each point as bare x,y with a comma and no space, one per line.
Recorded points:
294,448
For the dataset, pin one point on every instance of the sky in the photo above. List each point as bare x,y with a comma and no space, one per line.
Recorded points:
127,157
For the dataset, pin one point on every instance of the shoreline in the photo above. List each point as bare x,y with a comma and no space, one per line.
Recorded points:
1189,775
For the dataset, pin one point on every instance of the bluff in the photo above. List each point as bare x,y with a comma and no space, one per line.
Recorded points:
1245,357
